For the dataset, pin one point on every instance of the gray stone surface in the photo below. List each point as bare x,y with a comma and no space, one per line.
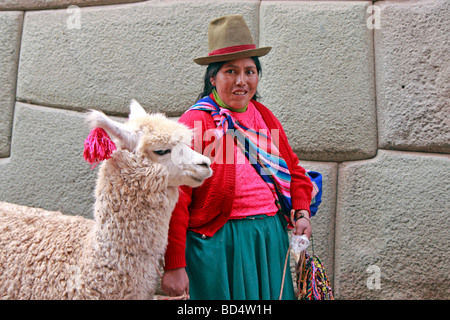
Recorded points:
319,77
10,32
43,4
46,168
393,213
412,74
388,213
121,52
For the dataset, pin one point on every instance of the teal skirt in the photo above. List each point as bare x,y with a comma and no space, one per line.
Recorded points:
244,260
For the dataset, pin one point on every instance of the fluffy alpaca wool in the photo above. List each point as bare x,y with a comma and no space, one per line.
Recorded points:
48,255
54,256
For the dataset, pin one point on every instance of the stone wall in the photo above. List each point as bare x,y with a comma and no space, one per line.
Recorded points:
361,87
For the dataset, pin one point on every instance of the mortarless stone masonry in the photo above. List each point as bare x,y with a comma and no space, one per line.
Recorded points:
368,108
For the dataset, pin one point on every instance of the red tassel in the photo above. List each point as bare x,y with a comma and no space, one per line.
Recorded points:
98,146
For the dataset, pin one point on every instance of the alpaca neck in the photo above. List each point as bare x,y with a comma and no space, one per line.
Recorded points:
132,212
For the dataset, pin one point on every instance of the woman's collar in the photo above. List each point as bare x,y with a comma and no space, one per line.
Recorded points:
224,105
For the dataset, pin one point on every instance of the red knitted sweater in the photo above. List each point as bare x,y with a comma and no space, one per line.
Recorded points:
207,208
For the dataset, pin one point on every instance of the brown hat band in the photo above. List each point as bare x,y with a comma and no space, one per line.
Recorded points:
232,49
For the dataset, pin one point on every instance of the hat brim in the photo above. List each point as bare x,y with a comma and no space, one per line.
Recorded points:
259,52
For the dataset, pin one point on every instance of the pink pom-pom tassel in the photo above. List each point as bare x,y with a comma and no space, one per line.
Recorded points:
98,146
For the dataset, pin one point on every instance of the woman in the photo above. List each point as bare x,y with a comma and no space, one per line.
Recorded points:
228,238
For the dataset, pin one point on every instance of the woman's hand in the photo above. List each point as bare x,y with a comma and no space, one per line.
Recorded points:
302,225
175,282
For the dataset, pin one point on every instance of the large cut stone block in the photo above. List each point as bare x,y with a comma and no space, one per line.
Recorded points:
46,168
412,73
10,31
392,222
142,51
319,77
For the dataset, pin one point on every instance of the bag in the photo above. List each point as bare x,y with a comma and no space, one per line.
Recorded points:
311,277
316,179
312,280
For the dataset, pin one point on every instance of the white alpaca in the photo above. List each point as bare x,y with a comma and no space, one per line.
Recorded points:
48,255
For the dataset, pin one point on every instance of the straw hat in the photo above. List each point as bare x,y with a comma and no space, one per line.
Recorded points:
229,38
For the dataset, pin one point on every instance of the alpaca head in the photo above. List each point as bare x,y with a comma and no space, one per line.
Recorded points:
160,140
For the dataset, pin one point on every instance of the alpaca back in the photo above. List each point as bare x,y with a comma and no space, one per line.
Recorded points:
39,252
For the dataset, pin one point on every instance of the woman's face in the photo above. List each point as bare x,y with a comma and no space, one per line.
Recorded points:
236,82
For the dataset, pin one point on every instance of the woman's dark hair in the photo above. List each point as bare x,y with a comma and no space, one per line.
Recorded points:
211,71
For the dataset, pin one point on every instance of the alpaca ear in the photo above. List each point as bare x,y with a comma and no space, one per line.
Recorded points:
125,137
136,110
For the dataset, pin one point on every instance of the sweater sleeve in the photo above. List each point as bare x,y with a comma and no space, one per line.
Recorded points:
175,253
176,246
301,185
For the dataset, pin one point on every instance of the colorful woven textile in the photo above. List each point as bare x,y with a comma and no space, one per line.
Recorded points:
260,151
312,280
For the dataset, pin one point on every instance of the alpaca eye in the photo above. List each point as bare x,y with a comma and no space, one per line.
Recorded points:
162,152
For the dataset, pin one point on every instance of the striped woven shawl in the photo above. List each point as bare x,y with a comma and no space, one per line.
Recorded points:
258,148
